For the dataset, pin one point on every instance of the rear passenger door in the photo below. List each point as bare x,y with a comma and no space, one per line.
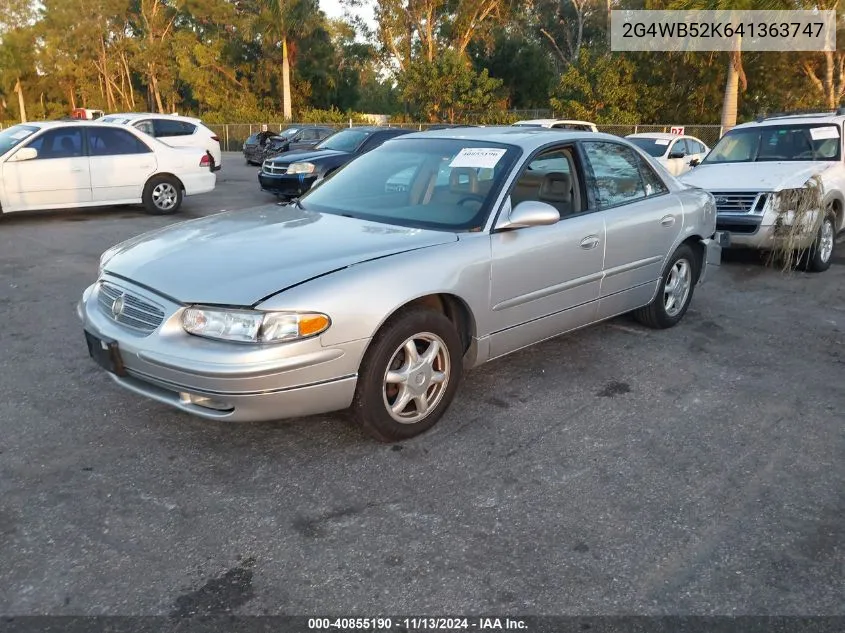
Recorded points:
643,221
545,280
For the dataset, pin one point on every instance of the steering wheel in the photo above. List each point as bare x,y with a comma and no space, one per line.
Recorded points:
473,197
808,154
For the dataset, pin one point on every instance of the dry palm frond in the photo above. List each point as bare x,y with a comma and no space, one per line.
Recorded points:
799,213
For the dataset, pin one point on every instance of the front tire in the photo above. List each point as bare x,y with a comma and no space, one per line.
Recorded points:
162,195
675,293
820,255
409,375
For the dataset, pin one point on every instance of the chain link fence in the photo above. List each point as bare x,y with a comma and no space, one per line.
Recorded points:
233,135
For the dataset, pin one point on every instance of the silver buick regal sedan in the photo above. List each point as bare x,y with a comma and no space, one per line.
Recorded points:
432,254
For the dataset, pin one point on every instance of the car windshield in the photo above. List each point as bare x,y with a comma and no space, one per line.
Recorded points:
288,132
778,143
652,146
442,184
343,141
14,135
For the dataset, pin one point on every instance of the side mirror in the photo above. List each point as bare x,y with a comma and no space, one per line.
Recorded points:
694,162
528,213
24,153
677,155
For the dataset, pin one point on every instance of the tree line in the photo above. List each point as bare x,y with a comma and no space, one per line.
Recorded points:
423,60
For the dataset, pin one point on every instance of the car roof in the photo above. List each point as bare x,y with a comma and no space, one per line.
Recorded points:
132,116
45,125
802,119
552,122
526,138
658,135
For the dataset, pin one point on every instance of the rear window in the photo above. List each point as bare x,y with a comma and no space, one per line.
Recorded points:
165,127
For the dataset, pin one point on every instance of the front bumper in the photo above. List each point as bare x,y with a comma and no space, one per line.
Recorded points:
713,253
225,381
756,232
286,185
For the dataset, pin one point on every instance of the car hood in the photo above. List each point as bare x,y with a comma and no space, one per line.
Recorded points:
240,258
765,176
306,154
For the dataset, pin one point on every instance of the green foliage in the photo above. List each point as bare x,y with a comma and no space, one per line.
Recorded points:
600,88
446,88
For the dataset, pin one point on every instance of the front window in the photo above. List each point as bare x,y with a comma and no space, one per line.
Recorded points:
10,137
441,184
652,146
778,143
344,141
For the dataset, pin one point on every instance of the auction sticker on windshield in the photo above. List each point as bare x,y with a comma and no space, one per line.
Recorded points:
818,133
480,157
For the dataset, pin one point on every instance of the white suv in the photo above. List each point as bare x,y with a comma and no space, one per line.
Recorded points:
754,160
177,131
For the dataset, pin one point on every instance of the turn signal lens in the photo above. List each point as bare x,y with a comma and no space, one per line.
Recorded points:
311,324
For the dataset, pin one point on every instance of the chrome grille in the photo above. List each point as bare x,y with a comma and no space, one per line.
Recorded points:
272,168
739,201
134,312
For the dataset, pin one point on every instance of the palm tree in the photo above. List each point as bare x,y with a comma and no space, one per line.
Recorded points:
736,73
287,20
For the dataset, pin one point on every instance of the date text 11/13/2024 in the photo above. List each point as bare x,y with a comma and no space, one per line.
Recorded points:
417,624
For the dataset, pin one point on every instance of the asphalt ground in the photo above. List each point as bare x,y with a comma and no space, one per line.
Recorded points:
617,470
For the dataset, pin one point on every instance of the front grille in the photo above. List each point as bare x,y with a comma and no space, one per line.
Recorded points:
739,201
133,311
272,168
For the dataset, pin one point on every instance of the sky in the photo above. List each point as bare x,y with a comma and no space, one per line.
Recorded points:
334,9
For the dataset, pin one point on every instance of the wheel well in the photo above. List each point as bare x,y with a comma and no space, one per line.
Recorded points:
694,242
837,211
453,308
169,175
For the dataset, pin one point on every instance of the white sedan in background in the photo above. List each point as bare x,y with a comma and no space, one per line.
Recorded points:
678,154
64,165
178,131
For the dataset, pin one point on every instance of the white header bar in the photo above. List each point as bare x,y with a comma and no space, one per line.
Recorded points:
701,31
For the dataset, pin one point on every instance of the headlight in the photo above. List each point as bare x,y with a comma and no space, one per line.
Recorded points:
252,326
301,168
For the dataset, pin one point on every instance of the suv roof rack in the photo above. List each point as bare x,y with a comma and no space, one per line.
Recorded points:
840,111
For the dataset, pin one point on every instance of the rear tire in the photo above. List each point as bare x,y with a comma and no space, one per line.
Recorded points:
677,284
162,195
820,255
409,375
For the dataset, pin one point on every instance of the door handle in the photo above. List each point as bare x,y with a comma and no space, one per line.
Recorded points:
145,166
591,241
76,169
668,220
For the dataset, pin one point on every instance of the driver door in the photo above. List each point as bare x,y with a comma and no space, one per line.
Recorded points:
545,280
678,157
59,177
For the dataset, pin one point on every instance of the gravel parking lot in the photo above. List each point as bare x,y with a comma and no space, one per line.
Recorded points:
616,470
